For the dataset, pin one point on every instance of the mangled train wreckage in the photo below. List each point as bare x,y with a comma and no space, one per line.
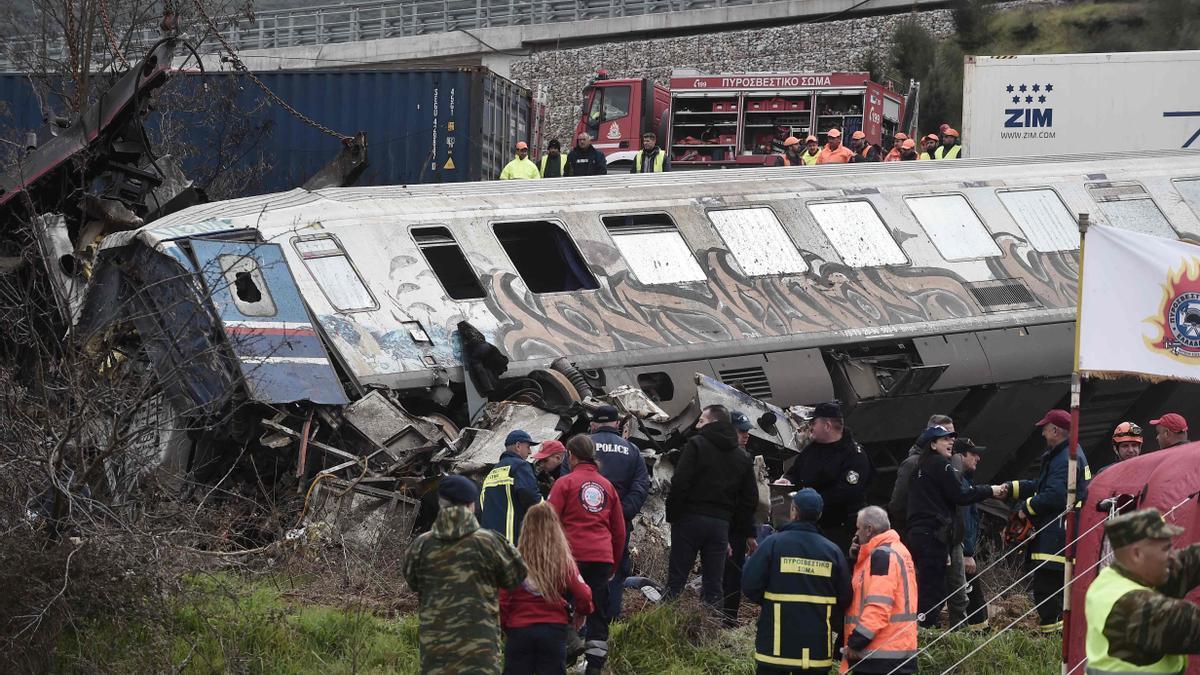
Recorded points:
382,335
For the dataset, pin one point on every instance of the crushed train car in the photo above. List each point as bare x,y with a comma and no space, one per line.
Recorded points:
396,331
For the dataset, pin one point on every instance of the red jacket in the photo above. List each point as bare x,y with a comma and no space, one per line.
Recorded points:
523,607
590,511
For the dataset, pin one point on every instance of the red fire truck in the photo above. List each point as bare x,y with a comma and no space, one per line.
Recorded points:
710,121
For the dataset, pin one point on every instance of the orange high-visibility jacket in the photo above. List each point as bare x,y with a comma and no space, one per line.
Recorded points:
881,621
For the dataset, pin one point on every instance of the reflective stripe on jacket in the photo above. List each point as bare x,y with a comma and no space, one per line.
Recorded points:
1045,499
508,492
797,576
1102,595
881,621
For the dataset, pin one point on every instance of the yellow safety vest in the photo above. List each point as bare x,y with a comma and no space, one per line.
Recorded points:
809,160
941,153
562,169
658,161
1104,592
520,169
924,155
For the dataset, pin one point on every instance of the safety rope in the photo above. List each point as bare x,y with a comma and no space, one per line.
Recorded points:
241,67
1054,596
108,33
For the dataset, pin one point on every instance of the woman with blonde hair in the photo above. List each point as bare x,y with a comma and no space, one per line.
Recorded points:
535,614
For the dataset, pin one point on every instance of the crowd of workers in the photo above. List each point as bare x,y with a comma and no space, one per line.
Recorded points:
586,160
842,583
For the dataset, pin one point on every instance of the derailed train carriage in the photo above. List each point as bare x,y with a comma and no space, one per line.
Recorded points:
902,289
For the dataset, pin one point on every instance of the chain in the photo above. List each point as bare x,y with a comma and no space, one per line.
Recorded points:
108,32
241,67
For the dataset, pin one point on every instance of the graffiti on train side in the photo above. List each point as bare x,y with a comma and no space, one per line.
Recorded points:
626,314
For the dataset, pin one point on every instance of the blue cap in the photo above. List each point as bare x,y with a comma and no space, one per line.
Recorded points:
740,421
808,502
934,432
458,489
829,409
605,414
519,436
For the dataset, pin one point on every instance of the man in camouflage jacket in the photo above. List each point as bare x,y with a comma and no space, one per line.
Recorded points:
457,570
1137,618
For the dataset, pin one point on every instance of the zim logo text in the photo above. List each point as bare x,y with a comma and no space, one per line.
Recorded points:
1029,116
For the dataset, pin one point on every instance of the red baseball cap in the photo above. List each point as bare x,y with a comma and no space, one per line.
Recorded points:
1174,422
1059,418
548,449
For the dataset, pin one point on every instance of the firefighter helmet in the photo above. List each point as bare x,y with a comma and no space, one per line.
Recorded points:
1127,432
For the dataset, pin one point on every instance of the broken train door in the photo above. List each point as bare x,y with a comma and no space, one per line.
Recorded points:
266,323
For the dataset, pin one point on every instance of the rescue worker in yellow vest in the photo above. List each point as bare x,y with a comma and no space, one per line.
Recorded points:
554,162
800,579
881,621
929,145
651,158
1137,619
812,151
521,167
792,155
949,149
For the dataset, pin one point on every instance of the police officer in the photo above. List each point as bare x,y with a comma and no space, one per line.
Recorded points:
510,488
797,576
836,466
1137,619
651,158
1043,501
622,464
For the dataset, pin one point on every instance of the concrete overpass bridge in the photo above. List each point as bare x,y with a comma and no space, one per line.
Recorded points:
494,33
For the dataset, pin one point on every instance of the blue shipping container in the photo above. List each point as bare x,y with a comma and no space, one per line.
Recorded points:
423,126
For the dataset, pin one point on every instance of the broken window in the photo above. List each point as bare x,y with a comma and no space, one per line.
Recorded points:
1043,217
657,386
1189,188
653,248
448,263
329,266
246,284
757,240
1127,205
857,233
545,256
953,227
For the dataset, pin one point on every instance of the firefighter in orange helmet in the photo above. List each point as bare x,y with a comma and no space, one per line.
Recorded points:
791,152
894,154
1127,441
864,150
834,152
908,151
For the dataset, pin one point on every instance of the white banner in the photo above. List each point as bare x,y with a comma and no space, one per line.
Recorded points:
1140,313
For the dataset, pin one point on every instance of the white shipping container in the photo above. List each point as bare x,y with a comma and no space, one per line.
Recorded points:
1046,105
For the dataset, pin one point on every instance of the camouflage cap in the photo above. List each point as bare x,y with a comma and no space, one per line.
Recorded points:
1133,527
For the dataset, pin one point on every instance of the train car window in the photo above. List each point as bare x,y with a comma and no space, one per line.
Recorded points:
1043,217
1189,189
448,263
246,284
545,256
953,227
1127,205
757,240
857,233
653,248
330,267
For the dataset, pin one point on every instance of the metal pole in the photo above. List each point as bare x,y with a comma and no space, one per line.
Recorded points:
1072,459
